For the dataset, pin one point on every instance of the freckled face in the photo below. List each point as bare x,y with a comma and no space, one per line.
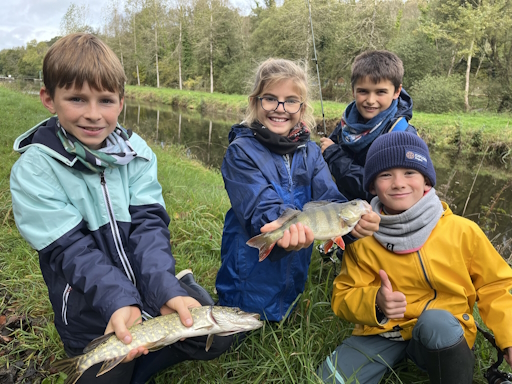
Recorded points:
371,98
86,113
280,121
399,189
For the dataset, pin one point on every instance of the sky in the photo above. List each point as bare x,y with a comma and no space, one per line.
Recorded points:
22,21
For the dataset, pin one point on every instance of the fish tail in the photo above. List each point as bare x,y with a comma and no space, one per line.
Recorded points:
261,242
71,367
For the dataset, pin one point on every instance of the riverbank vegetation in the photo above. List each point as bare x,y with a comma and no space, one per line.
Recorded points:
286,352
469,132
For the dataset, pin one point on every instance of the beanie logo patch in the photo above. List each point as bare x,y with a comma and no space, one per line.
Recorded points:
416,157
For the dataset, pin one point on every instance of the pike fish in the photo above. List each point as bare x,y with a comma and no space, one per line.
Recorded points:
328,221
156,333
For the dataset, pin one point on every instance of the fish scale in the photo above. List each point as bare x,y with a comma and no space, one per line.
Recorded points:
157,333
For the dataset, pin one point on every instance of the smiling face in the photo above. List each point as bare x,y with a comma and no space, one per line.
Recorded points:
88,114
280,121
399,189
371,98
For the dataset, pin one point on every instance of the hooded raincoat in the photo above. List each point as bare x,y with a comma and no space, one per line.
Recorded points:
261,185
102,238
456,268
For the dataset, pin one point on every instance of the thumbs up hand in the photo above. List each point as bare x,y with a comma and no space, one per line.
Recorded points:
392,304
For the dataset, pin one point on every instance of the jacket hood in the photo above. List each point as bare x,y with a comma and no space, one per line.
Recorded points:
239,130
44,137
404,107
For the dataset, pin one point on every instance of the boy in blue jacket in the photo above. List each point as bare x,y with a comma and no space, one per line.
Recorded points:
380,106
85,195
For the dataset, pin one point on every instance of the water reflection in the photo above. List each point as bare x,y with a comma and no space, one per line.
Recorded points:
480,191
206,138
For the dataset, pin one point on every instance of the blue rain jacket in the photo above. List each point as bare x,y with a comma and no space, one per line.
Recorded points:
102,239
347,166
261,185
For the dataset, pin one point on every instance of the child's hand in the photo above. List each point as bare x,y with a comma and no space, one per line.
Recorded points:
181,304
296,237
325,142
392,304
119,323
507,354
368,224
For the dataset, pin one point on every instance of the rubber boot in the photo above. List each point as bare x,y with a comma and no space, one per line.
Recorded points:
452,365
187,277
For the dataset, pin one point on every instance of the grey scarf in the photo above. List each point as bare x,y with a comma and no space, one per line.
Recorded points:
409,230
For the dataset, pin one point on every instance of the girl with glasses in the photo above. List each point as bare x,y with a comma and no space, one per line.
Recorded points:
272,165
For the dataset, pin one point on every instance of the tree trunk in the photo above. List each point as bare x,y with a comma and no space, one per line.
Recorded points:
156,58
211,49
135,48
468,70
452,63
179,59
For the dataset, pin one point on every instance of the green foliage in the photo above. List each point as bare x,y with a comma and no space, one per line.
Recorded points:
438,94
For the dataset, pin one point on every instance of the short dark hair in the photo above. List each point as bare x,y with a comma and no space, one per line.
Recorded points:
378,65
82,57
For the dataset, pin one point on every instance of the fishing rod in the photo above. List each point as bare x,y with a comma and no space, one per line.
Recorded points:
317,70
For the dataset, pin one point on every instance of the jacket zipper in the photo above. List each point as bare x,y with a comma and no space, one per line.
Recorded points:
428,281
117,239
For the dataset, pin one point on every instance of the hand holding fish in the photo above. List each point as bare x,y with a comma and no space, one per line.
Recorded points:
119,323
296,237
392,304
326,220
367,225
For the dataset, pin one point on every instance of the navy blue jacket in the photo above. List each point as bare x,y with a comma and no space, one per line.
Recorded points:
261,185
102,239
347,166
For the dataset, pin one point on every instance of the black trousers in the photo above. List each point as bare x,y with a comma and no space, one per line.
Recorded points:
143,368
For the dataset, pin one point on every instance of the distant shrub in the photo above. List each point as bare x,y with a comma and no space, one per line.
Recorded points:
438,94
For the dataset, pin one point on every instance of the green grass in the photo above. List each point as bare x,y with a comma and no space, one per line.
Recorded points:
287,352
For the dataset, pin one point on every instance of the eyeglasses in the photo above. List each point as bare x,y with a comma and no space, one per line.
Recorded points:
270,104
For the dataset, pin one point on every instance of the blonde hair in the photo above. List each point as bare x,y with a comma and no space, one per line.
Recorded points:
272,71
82,57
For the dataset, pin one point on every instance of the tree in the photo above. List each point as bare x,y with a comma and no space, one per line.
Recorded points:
75,20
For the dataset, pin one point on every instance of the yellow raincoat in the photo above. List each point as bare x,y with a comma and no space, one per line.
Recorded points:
455,268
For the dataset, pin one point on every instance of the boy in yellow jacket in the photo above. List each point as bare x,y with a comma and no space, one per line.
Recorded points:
411,287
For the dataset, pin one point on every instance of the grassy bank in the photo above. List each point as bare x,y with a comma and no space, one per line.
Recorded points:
288,352
469,132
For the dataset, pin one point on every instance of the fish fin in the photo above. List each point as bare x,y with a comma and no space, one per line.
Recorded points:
287,215
315,204
261,243
110,364
209,342
155,346
265,251
97,341
339,241
71,367
327,245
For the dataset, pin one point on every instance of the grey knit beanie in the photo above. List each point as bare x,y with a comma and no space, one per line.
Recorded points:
398,150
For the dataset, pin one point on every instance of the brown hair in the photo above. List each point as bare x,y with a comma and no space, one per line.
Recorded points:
82,57
378,65
272,71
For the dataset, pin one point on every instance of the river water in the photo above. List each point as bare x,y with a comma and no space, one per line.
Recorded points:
473,185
